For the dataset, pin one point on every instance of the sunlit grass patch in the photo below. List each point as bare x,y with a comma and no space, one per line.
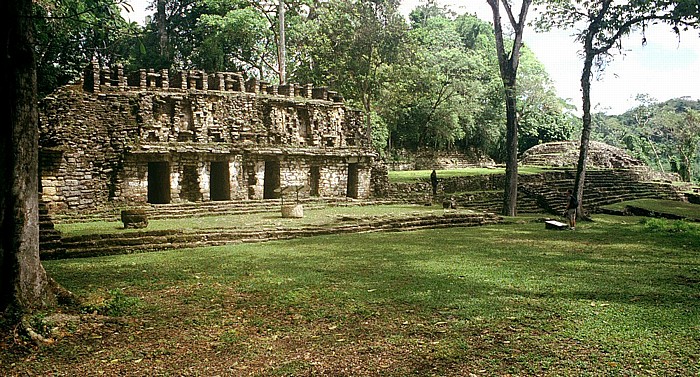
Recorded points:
424,175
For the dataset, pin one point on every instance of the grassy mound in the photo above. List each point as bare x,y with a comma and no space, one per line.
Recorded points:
661,208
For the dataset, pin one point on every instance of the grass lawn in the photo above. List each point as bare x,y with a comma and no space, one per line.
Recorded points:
612,298
409,176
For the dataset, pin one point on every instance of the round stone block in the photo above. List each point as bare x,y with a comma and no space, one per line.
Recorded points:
293,211
134,218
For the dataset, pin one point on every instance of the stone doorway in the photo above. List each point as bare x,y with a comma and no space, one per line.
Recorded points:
272,179
353,180
219,181
159,182
314,181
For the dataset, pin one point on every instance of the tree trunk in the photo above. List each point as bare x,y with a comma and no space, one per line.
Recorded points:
586,131
510,196
161,21
282,45
656,154
23,282
508,65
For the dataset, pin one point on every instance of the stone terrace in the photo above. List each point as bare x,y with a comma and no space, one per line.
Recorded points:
153,240
478,198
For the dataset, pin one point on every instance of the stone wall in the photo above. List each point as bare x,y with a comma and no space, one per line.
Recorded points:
199,136
83,139
440,160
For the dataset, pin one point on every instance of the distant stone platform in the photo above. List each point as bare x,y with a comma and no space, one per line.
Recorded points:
565,154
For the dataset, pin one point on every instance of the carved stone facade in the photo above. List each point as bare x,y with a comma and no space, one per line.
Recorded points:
195,137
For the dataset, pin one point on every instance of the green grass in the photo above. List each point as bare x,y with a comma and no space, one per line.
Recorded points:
611,298
271,220
408,176
672,207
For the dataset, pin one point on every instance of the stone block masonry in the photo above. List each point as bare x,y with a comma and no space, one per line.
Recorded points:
158,137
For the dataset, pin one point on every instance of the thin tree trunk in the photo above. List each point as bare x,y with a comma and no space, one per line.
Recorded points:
23,281
161,21
282,45
508,65
586,131
656,154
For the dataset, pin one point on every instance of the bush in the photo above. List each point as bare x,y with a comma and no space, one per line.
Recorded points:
670,226
117,305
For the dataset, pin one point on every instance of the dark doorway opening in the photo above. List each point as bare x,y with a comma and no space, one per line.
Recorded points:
314,181
272,180
158,182
219,181
352,180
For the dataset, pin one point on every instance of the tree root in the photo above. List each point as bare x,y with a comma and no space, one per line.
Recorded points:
63,296
25,328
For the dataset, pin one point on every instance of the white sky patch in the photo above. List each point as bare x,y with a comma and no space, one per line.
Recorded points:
138,14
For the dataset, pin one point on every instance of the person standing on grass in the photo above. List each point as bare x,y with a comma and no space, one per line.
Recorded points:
434,181
571,207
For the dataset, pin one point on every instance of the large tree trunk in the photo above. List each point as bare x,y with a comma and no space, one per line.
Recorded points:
508,65
510,196
23,281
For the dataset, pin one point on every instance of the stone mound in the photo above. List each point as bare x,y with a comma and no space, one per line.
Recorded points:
565,153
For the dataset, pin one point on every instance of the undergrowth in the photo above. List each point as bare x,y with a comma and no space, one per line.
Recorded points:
669,226
117,304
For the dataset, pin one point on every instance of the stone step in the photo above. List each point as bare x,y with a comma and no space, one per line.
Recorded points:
180,210
108,244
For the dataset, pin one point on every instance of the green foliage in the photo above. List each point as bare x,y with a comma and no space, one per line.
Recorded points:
668,226
451,95
69,34
117,304
234,40
380,132
666,135
350,46
40,324
544,117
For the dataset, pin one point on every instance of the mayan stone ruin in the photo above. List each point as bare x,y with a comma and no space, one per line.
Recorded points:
151,137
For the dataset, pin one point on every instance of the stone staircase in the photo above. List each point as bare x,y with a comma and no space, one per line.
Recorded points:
143,241
602,187
492,201
49,236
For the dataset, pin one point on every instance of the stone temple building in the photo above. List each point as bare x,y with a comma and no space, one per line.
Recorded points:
147,137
